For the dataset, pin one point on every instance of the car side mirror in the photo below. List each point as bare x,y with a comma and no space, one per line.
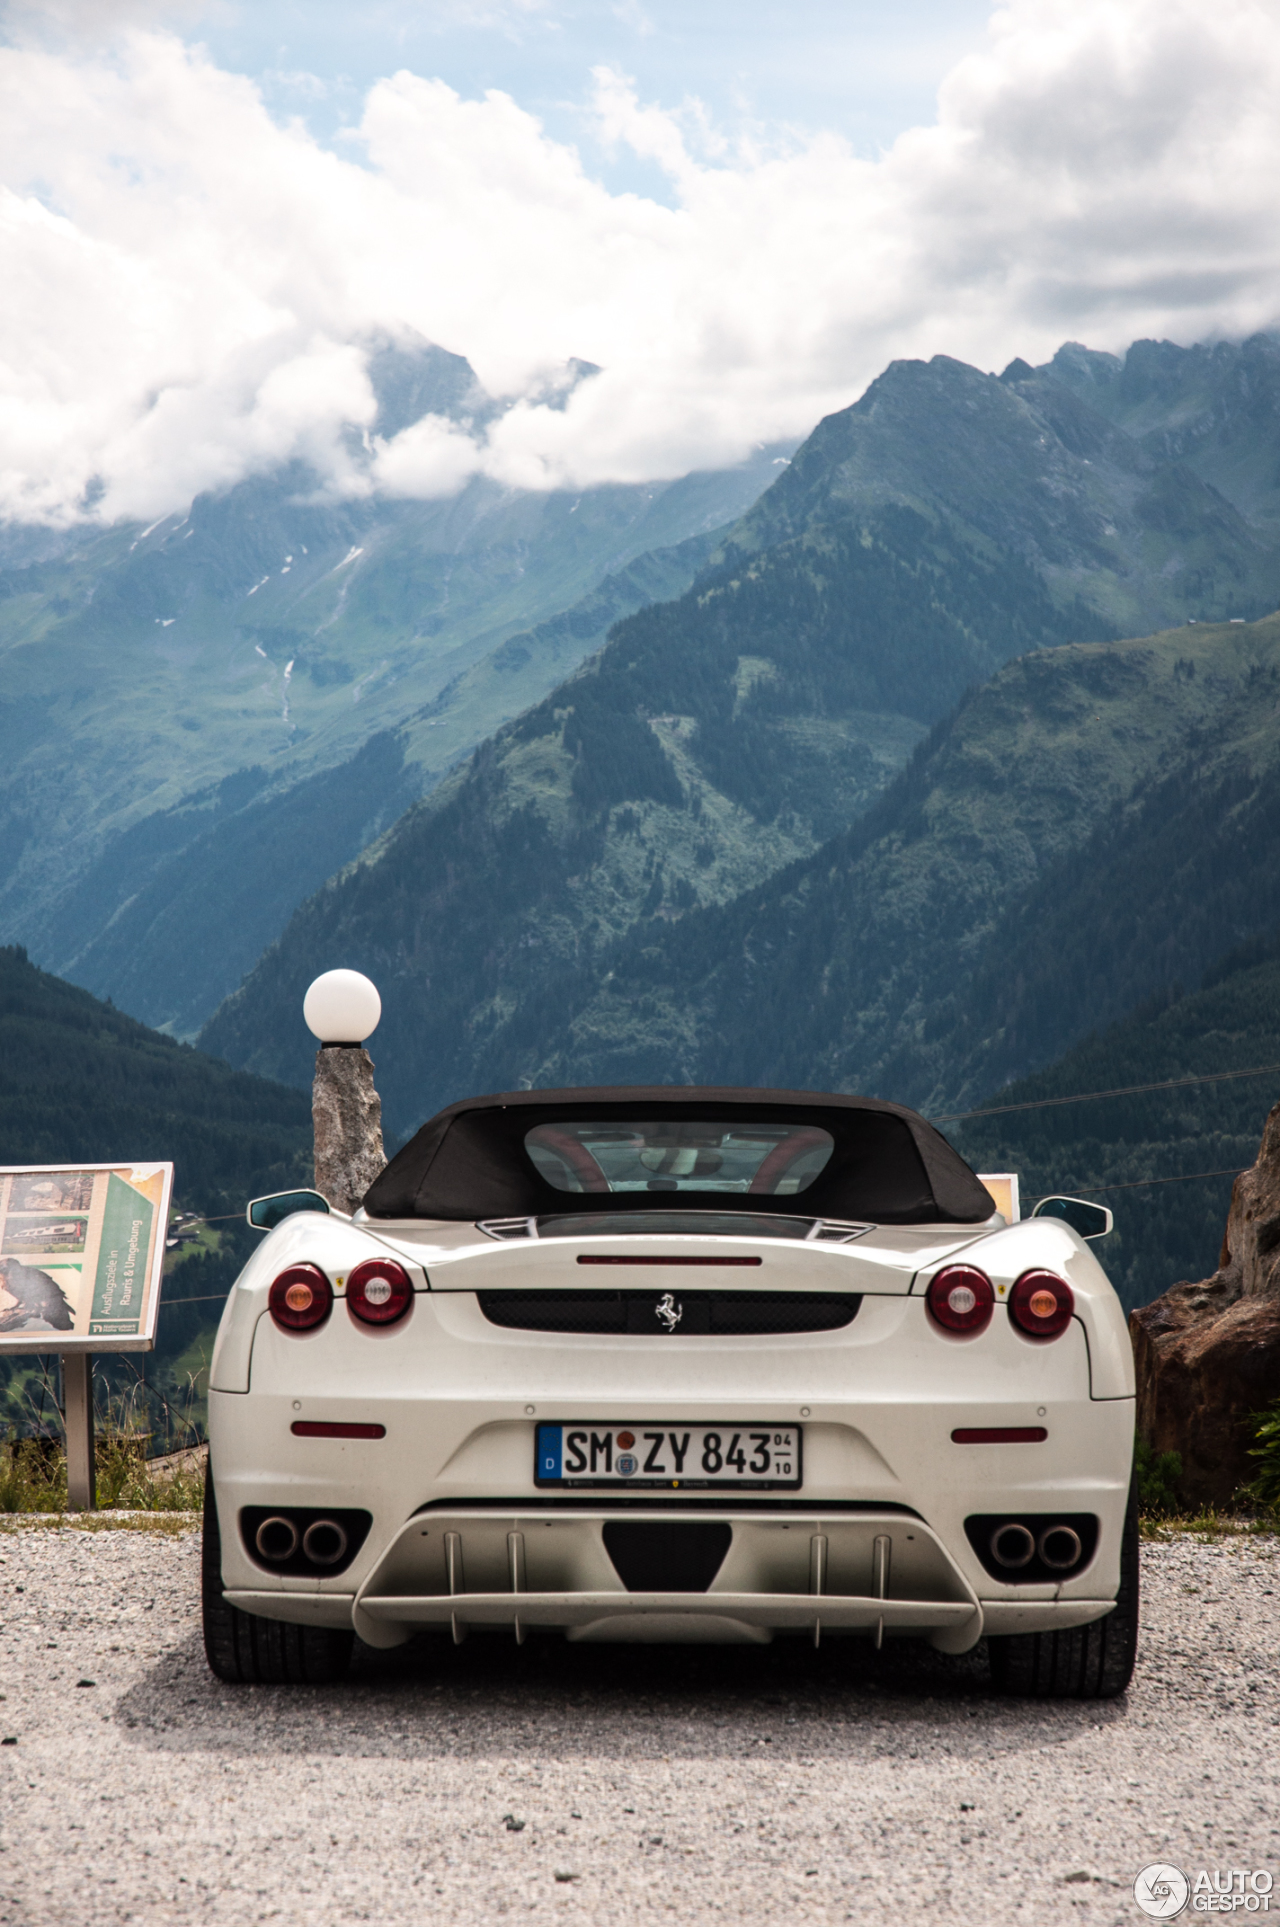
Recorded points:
264,1214
1090,1220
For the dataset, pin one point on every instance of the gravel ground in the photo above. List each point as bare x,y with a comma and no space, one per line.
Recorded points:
609,1785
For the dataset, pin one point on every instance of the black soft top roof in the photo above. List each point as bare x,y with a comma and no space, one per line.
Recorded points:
468,1162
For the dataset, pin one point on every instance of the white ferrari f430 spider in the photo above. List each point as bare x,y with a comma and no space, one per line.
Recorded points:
674,1365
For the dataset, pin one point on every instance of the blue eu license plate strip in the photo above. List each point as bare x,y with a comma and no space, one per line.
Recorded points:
653,1456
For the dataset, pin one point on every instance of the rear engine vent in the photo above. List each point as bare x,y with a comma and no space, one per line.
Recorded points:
753,1314
509,1227
657,1557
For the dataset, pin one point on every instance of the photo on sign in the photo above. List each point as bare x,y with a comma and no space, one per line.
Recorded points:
81,1256
45,1234
31,1299
52,1191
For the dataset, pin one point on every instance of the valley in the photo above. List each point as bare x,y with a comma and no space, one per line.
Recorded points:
174,697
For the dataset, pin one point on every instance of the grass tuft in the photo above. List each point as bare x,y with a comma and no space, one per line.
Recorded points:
33,1469
1209,1525
33,1477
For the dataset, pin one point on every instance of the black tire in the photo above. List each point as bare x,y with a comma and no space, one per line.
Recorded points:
247,1650
1087,1662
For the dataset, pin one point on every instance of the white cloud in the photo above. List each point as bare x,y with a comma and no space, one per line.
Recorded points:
185,280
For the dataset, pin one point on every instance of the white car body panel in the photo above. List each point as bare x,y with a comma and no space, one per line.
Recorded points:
877,1401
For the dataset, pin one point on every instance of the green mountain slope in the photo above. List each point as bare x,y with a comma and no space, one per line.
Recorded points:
232,860
712,741
1165,1231
81,1082
1092,825
1086,829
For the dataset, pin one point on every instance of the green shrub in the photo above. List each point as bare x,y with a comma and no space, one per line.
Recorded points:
1158,1474
1265,1488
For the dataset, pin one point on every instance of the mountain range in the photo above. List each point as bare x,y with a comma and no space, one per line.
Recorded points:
194,715
840,814
936,760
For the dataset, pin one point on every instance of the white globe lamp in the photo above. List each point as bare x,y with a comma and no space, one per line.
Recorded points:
342,1007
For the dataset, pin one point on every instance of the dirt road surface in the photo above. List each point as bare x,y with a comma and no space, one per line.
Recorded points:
611,1785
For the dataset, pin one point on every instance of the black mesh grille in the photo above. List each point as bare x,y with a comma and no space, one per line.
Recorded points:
756,1314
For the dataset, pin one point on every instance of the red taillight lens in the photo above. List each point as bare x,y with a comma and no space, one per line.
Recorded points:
960,1298
379,1291
300,1298
1041,1304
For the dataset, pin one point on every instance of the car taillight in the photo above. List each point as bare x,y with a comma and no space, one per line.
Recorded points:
961,1299
300,1298
379,1291
1041,1304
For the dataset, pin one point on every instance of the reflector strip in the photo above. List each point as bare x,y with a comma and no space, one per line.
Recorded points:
670,1261
999,1435
305,1428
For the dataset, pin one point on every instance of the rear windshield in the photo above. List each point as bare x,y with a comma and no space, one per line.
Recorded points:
766,1160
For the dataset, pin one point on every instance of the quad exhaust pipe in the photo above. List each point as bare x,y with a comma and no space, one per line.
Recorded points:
324,1543
1014,1546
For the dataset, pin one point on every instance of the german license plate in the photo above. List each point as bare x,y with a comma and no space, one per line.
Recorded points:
750,1458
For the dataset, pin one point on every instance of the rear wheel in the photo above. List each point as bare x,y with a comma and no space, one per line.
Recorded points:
247,1650
1087,1662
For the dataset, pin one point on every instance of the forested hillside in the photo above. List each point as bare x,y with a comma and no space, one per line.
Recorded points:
1110,1150
1096,822
715,739
81,1082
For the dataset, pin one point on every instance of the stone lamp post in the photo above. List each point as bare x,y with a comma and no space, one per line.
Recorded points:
342,1008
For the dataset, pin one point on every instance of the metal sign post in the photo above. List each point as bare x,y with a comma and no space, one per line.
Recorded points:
77,1403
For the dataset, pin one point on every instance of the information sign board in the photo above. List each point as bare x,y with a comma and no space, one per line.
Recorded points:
81,1253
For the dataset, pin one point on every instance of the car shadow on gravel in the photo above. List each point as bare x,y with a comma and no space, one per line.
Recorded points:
430,1699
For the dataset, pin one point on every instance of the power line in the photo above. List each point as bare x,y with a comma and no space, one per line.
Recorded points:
1087,1097
1136,1184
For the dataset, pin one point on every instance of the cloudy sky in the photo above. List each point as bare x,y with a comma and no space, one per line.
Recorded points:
740,212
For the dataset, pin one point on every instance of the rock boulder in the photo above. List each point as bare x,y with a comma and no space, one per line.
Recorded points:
1208,1355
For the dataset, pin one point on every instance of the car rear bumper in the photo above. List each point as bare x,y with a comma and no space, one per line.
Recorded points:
814,1573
